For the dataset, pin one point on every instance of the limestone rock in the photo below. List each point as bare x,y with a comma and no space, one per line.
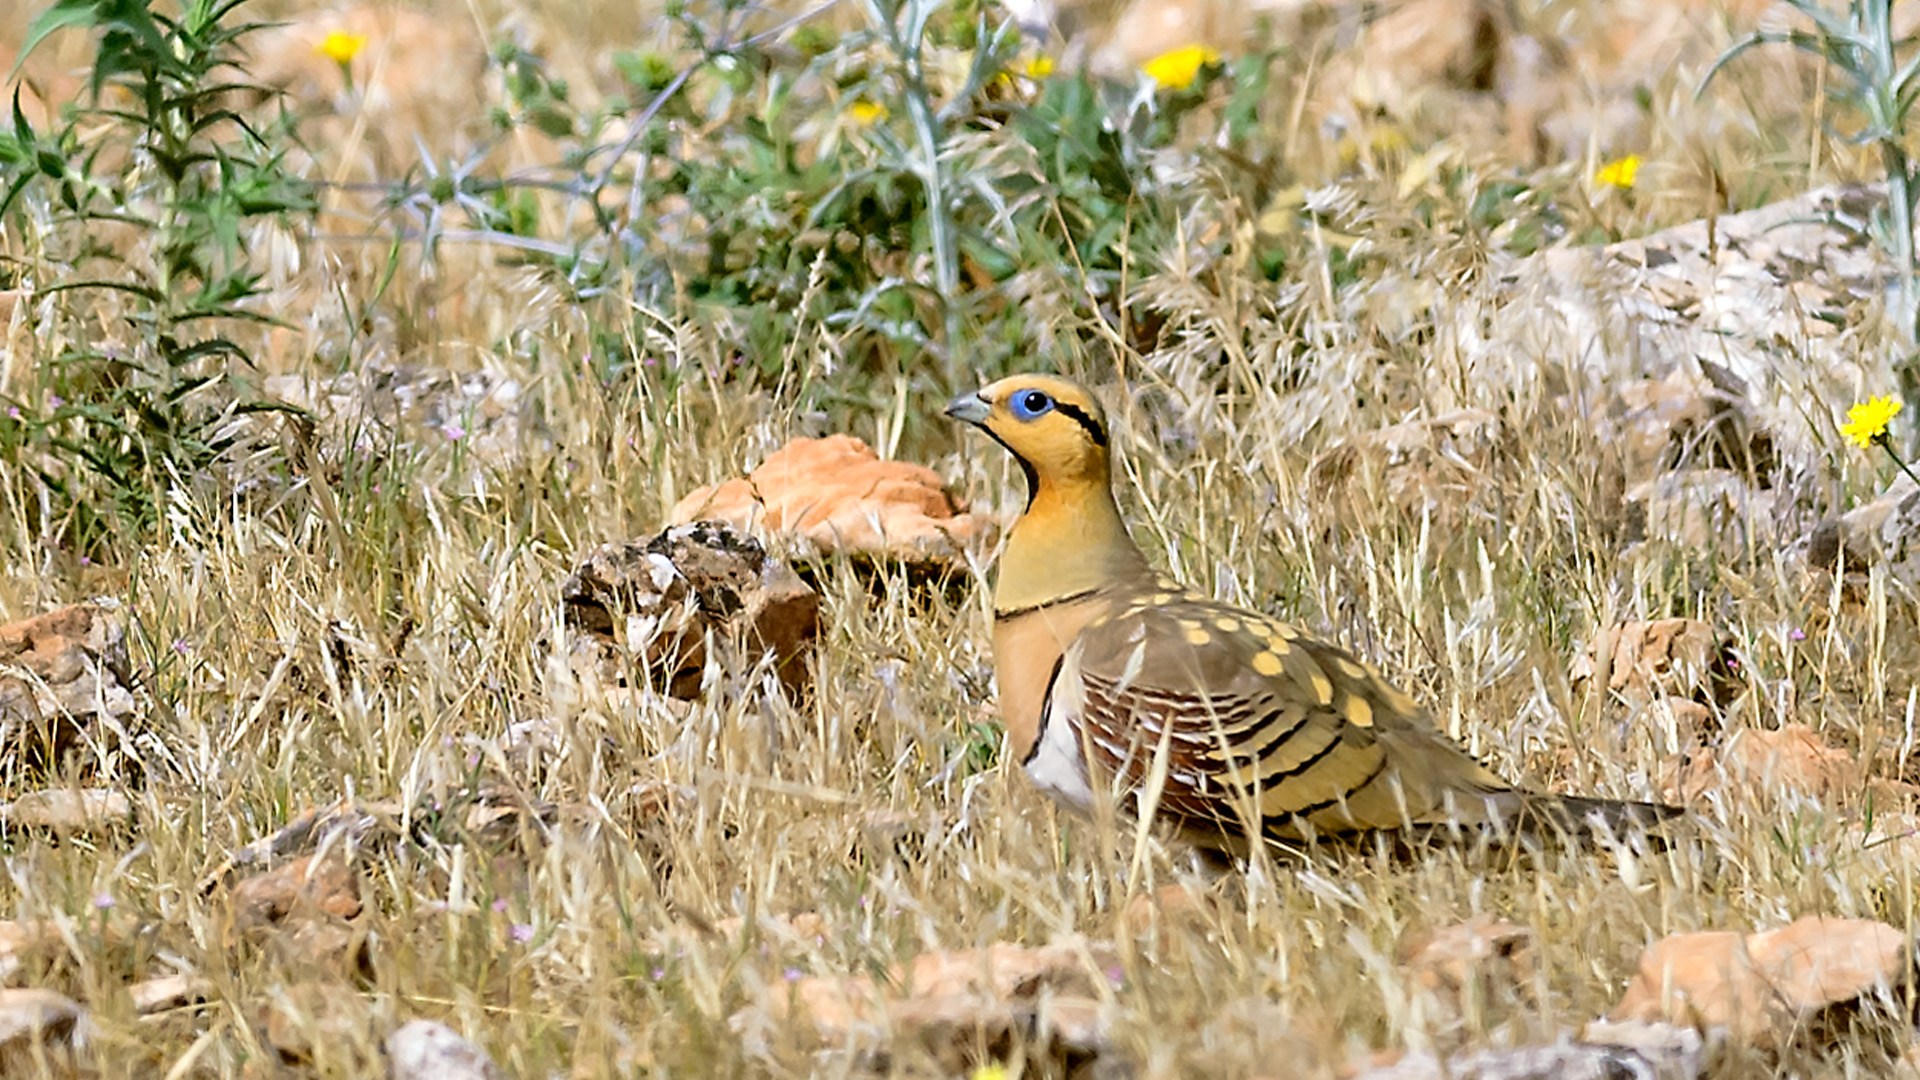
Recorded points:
168,992
1435,42
488,816
1427,466
1682,421
68,811
30,1018
1710,303
1886,530
1699,509
104,935
425,1050
1678,1058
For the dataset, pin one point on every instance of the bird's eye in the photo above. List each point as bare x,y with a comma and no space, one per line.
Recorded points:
1028,404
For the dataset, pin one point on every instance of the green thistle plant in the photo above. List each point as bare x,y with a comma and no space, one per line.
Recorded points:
158,148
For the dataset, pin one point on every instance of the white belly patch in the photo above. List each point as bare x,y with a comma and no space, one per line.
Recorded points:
1056,765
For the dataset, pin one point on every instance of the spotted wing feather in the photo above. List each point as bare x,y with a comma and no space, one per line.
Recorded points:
1230,724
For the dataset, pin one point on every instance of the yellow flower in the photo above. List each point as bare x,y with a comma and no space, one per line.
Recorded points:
866,112
341,47
1176,70
990,1071
1032,70
1620,172
1867,422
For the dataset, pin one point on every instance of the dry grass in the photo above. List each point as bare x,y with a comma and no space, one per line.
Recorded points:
374,624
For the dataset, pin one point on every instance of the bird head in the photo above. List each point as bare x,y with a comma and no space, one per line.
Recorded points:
1071,540
1054,428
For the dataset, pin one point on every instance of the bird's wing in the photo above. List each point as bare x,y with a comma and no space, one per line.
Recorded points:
1227,722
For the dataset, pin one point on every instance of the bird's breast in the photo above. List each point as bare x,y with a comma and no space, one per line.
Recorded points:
1026,646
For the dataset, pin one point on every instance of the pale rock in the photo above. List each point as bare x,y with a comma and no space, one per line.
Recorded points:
30,1016
1602,1051
1884,531
168,992
68,810
426,1050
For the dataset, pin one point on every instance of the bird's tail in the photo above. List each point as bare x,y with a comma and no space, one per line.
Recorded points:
1584,818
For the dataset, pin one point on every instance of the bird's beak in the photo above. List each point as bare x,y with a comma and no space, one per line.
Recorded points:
972,408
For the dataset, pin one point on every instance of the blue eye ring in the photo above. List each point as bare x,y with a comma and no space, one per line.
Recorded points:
1030,404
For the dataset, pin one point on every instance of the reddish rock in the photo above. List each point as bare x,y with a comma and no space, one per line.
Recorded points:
307,887
59,671
324,1025
1454,958
1758,765
1769,987
835,496
1641,661
1170,907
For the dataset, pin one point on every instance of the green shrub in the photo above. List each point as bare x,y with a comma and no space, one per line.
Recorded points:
162,155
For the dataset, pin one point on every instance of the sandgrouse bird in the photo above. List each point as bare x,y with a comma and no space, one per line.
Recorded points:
1221,721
